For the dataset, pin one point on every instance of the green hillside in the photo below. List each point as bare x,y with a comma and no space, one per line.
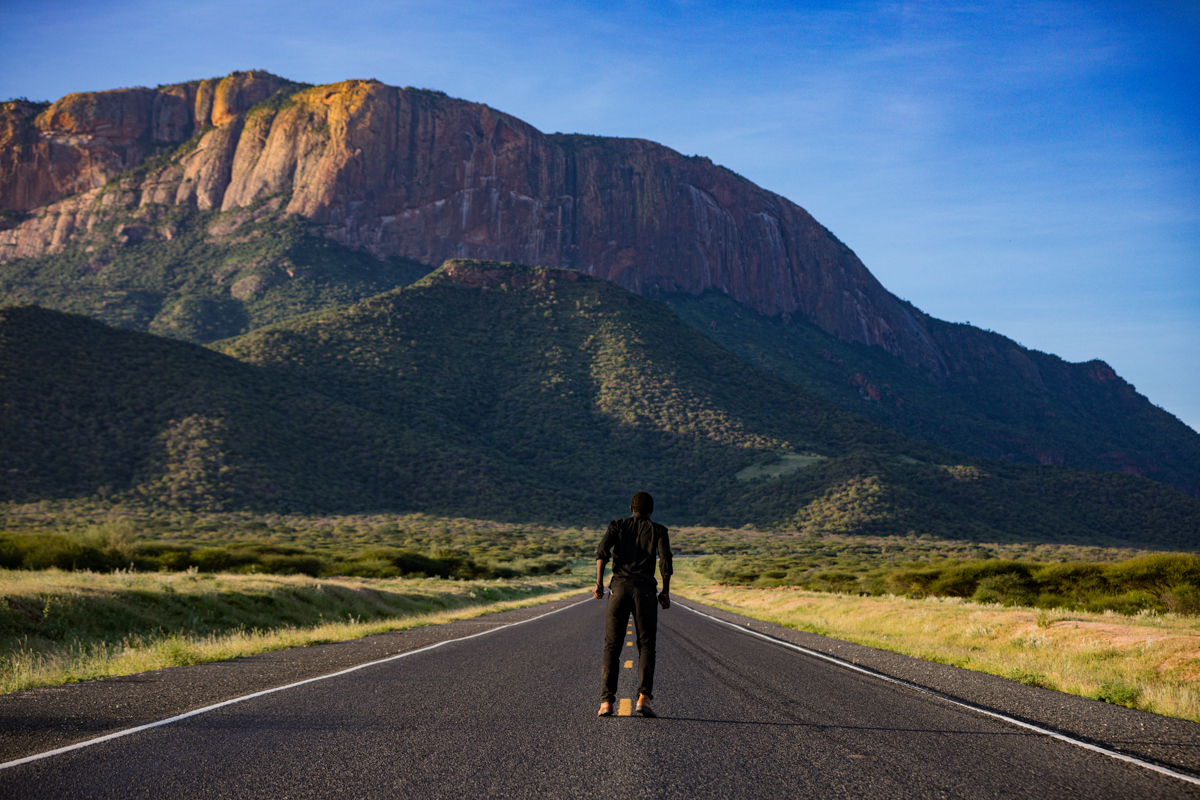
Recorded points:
200,275
504,392
1077,415
95,411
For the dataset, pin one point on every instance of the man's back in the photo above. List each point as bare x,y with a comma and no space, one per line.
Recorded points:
632,544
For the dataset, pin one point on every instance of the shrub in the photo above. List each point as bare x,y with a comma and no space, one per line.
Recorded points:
1007,588
1118,693
1128,603
292,565
212,559
963,579
1076,579
1159,571
1182,600
370,568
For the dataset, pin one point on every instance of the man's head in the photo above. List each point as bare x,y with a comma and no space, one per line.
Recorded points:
642,503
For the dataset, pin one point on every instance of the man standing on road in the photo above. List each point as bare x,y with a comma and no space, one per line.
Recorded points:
632,544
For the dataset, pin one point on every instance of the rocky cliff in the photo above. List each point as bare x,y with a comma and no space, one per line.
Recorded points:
419,174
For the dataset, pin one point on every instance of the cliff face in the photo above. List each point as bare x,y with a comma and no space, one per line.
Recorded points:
85,140
418,174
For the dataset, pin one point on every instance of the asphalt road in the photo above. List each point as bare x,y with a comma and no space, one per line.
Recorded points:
512,714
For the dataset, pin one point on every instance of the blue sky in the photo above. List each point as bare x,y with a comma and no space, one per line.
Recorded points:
1032,168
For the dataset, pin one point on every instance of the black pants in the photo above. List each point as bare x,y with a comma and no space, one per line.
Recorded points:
641,600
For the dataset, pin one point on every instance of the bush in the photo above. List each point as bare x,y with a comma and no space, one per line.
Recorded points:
1182,600
292,565
1128,603
1158,571
1076,579
1007,588
1118,693
212,559
1157,582
371,568
964,579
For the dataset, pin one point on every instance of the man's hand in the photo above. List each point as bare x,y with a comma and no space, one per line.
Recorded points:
664,599
598,592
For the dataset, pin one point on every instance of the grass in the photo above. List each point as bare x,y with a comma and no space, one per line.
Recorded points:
62,627
785,464
1147,661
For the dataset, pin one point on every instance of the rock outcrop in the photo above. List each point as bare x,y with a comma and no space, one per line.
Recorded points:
419,174
85,140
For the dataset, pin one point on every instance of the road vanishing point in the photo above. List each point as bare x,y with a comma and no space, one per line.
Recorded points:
504,706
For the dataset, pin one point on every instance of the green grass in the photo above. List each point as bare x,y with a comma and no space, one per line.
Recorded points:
782,464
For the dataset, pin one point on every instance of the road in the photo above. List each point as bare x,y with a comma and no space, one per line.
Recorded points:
511,713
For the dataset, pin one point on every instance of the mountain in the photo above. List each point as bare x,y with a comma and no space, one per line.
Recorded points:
419,174
126,205
508,392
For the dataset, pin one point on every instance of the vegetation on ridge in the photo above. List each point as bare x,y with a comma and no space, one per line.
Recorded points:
197,275
1074,414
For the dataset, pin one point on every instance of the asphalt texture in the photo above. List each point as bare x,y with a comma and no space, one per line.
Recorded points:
512,714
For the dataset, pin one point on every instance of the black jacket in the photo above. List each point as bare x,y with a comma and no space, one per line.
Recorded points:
631,545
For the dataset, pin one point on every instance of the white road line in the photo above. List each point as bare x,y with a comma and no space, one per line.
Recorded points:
1011,720
215,706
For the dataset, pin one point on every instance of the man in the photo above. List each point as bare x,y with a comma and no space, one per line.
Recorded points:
632,544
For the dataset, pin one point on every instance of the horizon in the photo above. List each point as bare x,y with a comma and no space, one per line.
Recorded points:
1029,169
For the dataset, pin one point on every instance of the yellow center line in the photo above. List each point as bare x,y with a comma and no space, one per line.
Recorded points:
628,665
626,708
629,644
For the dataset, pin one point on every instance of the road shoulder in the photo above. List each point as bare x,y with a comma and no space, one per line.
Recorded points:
39,720
1170,742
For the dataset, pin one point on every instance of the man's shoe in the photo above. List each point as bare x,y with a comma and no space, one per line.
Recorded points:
643,707
605,710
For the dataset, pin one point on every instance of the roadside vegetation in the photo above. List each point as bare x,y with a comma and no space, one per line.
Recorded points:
61,627
1146,660
90,590
112,548
1158,582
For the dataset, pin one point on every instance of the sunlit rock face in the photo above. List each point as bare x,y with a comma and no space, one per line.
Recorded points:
417,173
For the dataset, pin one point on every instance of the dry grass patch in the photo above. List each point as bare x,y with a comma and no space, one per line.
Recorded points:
1147,661
60,627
